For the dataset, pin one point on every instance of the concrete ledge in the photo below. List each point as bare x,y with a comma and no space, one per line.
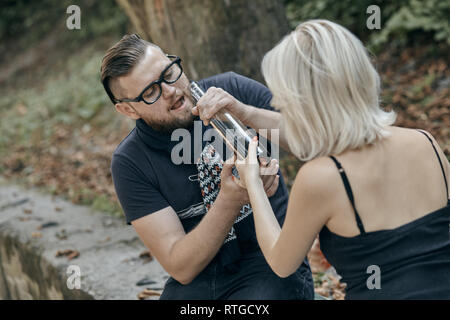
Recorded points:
34,227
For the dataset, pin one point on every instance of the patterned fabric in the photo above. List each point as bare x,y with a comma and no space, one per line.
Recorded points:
209,167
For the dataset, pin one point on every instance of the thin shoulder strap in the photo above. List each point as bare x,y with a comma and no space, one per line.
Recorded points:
439,158
348,189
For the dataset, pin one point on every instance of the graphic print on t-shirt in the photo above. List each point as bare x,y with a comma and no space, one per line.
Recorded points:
209,167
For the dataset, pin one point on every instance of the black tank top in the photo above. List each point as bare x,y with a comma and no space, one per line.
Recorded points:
411,261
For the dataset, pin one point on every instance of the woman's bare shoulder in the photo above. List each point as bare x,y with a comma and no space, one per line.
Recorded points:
417,140
316,188
318,175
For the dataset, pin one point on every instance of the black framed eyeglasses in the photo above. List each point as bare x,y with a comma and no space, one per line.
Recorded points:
153,91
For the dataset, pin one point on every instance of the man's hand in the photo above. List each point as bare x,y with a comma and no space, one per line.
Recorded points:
230,188
216,100
269,176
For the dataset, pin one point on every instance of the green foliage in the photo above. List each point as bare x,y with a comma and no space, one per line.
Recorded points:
50,106
70,93
72,99
98,18
349,13
28,21
402,20
18,16
104,204
431,16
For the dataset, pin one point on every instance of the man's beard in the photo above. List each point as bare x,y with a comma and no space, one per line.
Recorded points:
168,126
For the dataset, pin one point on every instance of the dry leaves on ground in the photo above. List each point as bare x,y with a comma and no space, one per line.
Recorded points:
69,253
146,256
146,293
326,280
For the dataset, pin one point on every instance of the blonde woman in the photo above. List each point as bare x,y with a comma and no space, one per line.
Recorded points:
376,194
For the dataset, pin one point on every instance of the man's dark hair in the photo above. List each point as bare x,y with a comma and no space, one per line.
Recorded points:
121,58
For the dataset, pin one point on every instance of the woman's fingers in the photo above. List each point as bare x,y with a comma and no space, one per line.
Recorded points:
251,154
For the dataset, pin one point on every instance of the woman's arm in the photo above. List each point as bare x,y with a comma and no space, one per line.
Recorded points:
263,121
308,211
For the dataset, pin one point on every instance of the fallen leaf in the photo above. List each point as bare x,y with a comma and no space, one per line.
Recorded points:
60,253
146,255
145,281
47,225
71,254
148,293
61,235
36,235
323,292
338,295
316,259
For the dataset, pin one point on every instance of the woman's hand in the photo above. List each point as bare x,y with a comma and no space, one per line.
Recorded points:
248,168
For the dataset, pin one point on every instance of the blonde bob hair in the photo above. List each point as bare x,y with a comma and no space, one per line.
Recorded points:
326,89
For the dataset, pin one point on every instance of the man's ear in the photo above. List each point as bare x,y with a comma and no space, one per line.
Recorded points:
127,110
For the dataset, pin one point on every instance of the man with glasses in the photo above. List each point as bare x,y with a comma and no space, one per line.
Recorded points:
163,200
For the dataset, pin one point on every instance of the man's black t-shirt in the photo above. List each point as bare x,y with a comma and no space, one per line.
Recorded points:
146,180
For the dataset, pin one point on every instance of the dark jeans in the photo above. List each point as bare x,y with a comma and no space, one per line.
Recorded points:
254,281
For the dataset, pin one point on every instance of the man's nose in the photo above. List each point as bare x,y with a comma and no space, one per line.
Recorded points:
167,90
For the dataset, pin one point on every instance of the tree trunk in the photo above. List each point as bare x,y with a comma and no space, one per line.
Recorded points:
211,36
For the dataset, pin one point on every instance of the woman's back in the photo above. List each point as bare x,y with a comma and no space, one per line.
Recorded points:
399,224
394,182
